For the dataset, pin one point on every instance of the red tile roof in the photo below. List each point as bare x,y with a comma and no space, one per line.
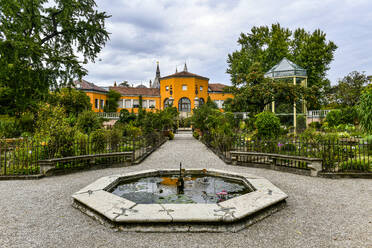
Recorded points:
216,87
184,74
136,91
85,85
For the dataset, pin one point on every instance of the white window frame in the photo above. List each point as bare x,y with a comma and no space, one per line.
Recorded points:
145,104
135,102
120,104
128,103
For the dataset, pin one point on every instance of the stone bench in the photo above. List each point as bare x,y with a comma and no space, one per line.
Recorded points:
49,164
314,164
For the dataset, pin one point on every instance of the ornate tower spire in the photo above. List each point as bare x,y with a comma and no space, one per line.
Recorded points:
156,83
176,70
157,69
150,83
185,67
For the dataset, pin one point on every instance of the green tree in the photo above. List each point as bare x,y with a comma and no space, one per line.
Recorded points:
349,89
53,129
73,101
210,103
44,44
112,101
268,45
124,84
257,91
365,109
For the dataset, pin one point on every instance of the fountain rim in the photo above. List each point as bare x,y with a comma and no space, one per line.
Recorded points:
96,198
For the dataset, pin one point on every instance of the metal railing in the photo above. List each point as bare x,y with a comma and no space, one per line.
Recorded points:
345,155
21,157
109,115
318,113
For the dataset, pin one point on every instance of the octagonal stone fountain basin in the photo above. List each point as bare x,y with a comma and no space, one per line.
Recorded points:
144,201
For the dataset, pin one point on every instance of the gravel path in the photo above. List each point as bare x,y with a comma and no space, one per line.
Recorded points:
320,212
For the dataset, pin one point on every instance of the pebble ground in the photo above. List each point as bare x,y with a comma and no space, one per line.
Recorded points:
319,213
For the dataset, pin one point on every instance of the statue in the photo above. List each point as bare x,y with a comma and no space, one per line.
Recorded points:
180,182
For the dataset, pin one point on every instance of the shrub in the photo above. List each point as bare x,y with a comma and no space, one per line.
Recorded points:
268,125
26,122
315,125
334,118
71,119
88,121
61,141
55,131
289,147
362,163
126,117
98,140
196,135
185,122
349,115
132,131
114,136
171,135
81,140
8,127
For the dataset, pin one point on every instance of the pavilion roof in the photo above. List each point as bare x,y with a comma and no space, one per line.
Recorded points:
285,68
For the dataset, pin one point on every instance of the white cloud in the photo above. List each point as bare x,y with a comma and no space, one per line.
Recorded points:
204,32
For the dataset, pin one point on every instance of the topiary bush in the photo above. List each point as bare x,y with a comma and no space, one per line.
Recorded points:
268,125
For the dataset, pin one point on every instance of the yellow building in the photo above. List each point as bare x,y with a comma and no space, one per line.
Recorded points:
183,90
96,94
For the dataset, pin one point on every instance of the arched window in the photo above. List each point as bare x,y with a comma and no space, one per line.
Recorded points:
201,101
166,102
184,104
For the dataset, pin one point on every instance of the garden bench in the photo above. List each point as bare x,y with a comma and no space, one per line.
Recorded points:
314,164
49,164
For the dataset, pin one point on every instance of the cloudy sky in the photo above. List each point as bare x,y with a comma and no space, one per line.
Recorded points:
204,32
